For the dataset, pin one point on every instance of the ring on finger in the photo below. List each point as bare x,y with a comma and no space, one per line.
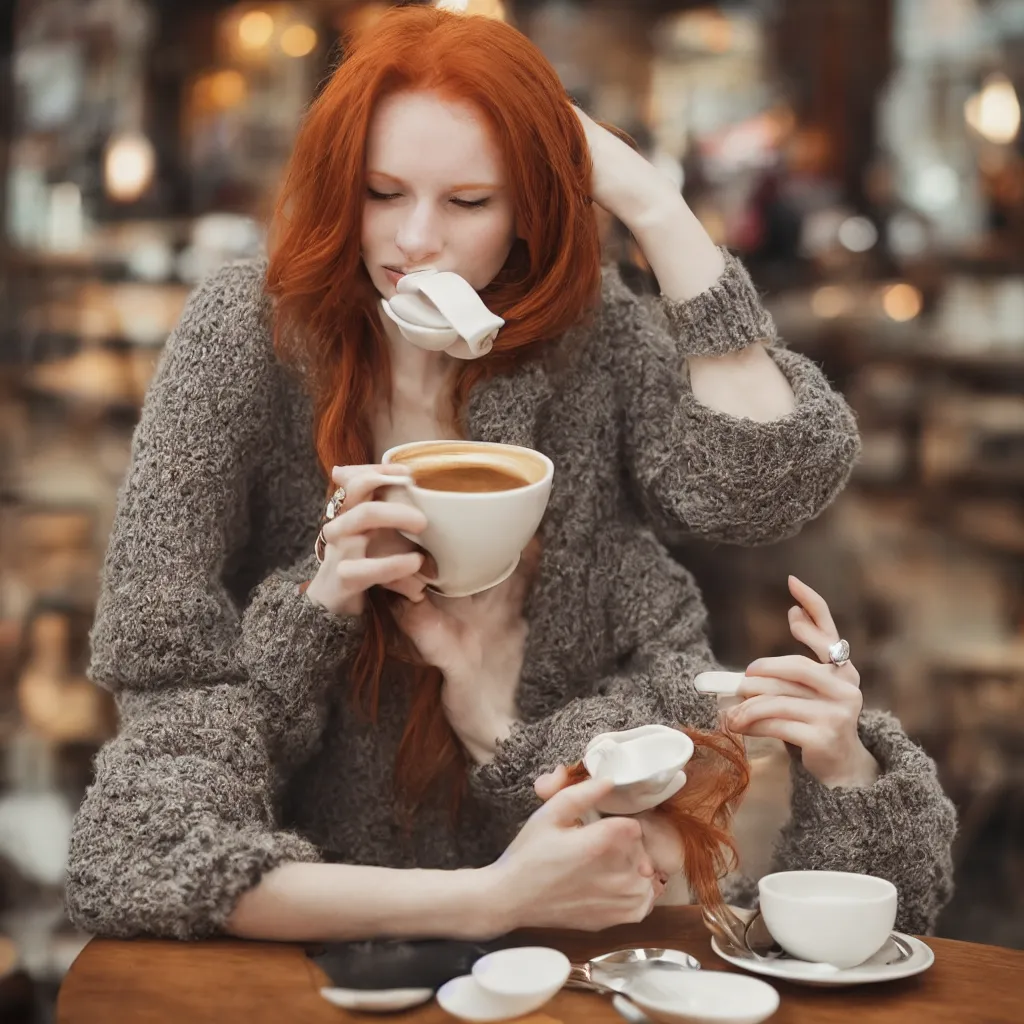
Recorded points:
839,653
320,547
334,505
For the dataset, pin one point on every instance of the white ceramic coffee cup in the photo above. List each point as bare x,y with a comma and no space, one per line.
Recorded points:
833,917
476,538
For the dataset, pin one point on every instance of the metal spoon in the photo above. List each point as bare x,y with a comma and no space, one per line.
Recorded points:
612,972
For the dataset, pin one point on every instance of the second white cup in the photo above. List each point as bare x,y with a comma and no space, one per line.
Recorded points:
834,917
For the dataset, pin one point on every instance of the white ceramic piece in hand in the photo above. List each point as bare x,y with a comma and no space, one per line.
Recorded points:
525,978
441,312
388,1000
834,917
645,764
721,684
690,997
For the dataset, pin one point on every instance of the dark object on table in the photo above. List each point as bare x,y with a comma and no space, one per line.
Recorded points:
426,963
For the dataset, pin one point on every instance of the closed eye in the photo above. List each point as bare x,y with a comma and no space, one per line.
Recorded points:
382,196
471,204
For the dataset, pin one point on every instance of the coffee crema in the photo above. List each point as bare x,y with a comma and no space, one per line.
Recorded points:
467,478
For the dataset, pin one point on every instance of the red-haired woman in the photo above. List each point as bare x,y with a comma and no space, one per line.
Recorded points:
311,749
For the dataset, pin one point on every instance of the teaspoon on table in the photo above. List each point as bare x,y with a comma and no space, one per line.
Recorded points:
612,972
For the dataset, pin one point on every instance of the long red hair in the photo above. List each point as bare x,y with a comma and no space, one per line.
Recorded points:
701,812
326,308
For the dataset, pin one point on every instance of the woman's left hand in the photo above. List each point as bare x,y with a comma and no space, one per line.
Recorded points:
812,705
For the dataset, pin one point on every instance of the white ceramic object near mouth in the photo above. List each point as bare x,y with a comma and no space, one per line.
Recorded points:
441,312
645,764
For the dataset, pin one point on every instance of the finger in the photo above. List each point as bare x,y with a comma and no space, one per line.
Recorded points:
548,784
574,802
411,587
815,606
349,476
797,734
754,709
375,515
754,686
797,668
803,629
362,573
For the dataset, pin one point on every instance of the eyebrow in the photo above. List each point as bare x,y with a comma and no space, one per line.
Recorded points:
465,187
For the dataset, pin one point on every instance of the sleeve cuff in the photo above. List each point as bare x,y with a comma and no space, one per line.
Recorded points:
906,793
727,317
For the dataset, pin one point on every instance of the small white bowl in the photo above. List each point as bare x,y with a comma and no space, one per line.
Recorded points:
524,978
703,997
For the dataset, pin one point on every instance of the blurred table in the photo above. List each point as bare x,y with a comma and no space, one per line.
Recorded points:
265,983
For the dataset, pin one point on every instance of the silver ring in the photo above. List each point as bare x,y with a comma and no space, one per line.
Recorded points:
320,547
334,505
839,653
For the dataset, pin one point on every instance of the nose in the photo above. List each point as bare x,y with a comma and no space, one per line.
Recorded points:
419,235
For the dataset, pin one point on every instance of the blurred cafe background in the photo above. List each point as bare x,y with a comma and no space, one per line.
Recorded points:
864,156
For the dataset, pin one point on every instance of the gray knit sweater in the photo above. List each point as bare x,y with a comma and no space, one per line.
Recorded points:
238,747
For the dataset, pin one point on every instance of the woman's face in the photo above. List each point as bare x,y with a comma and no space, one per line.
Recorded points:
437,194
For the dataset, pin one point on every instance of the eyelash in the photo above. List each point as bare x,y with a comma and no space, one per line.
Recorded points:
465,204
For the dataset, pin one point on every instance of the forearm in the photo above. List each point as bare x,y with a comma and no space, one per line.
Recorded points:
341,902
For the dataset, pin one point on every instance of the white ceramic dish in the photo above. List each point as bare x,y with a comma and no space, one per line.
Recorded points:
868,973
377,1000
524,977
703,997
467,999
645,764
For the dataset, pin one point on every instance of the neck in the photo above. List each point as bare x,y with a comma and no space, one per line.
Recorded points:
410,364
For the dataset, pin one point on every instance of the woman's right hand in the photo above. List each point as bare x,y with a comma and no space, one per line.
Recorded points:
559,874
363,546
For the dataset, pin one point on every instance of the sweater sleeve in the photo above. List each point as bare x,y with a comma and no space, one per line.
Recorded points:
217,703
703,471
900,828
655,687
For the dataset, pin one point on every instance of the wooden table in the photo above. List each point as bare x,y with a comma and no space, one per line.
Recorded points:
223,982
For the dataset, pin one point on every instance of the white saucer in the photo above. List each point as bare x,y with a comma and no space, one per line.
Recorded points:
802,973
377,1000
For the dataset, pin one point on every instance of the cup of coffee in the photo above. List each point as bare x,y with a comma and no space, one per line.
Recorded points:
833,917
483,502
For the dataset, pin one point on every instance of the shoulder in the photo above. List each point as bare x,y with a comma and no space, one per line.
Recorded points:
224,337
231,298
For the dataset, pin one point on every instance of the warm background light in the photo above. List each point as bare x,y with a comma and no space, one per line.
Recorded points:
488,8
298,40
994,113
902,302
128,167
255,29
227,89
830,301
